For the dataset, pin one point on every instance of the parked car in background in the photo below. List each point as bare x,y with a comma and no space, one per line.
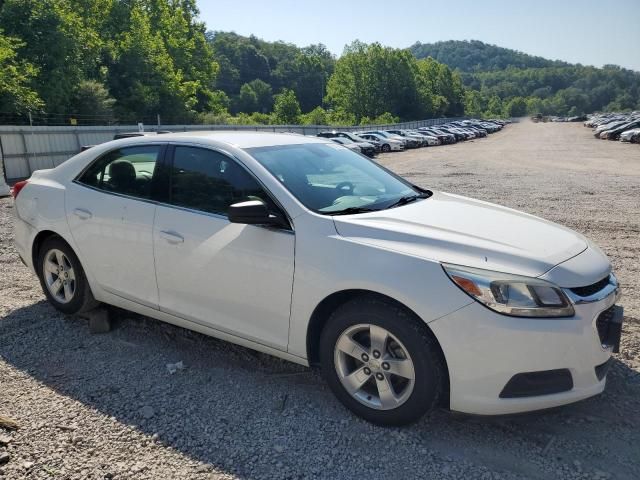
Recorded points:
614,133
346,143
613,126
386,144
363,147
422,139
432,140
445,138
629,135
459,136
353,137
407,142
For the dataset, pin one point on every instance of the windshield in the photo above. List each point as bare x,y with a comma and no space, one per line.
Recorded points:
331,179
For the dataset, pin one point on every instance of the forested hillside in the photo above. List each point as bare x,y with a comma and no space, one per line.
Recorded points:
503,81
474,55
106,61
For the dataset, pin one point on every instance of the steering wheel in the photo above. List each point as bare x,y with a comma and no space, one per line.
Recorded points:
145,174
345,188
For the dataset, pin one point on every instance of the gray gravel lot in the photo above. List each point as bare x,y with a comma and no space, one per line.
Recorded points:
105,406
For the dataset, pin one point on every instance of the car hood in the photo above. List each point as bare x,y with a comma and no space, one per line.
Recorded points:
454,229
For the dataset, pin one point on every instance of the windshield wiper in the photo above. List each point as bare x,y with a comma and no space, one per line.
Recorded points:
352,210
408,199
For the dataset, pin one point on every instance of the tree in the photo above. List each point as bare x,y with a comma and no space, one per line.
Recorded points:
317,116
370,80
286,108
264,95
16,94
56,40
247,100
91,98
494,107
143,77
474,103
516,107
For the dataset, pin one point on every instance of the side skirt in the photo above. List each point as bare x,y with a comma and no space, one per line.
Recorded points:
125,304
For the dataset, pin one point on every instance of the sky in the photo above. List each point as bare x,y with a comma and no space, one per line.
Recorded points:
578,31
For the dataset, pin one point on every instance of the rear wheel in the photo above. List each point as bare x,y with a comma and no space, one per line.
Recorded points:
62,277
381,362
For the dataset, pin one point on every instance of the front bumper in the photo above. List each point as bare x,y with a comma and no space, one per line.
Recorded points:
484,351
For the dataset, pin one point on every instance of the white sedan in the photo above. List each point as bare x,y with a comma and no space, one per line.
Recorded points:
303,249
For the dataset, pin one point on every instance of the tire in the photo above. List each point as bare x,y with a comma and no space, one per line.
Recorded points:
408,339
71,297
386,148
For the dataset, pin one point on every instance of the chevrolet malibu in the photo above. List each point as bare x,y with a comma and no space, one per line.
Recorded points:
298,247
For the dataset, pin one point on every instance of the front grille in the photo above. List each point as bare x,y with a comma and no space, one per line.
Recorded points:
589,290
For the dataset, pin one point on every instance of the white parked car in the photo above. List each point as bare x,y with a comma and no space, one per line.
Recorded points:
626,136
387,144
303,249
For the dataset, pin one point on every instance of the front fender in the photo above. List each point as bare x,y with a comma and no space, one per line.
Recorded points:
327,263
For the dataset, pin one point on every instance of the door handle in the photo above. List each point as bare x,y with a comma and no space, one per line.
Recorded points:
172,237
82,213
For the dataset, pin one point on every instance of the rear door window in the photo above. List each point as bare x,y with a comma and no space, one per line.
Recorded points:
127,171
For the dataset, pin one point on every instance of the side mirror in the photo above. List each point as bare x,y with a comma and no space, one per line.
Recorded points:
254,212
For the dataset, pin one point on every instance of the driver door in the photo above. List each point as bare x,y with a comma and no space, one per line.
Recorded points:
231,277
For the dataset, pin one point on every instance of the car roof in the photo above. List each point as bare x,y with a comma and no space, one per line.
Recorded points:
240,139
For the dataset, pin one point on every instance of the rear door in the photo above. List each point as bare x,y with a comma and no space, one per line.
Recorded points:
110,213
231,277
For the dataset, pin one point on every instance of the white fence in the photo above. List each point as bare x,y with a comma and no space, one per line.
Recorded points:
24,149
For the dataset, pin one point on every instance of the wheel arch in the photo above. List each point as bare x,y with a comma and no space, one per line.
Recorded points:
328,305
38,240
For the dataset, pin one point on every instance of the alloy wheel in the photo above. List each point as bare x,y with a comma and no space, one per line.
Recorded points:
59,276
374,367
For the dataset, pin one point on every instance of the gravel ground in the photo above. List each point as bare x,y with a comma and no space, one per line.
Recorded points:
105,406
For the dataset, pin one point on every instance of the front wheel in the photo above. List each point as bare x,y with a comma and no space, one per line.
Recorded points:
381,362
62,277
386,148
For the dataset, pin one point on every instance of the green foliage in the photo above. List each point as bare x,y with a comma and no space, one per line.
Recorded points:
213,118
134,59
255,96
341,118
152,55
286,109
56,39
370,80
92,98
548,87
16,94
317,116
473,55
516,107
383,119
244,60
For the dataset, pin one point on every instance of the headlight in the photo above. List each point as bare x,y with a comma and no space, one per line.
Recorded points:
511,294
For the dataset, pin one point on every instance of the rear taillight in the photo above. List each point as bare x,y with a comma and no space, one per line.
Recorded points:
15,190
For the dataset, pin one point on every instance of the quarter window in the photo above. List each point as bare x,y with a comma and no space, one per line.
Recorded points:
127,171
209,181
